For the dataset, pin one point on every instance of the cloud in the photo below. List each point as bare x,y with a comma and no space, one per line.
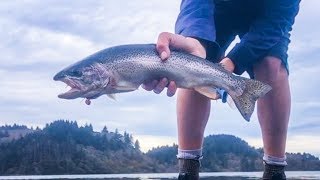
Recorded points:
148,142
99,21
41,37
25,45
304,41
295,143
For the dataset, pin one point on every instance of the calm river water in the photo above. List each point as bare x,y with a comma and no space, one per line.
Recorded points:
166,176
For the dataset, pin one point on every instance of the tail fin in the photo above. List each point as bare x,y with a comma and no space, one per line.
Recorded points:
246,102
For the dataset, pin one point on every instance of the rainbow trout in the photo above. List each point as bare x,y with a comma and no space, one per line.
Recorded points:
124,68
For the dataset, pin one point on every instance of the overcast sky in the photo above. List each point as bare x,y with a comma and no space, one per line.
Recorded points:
40,37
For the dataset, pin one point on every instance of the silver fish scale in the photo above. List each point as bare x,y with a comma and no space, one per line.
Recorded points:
213,72
143,64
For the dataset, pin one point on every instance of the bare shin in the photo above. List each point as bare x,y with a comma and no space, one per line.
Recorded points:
193,111
274,108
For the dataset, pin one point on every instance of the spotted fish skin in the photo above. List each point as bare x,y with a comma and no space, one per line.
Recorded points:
124,68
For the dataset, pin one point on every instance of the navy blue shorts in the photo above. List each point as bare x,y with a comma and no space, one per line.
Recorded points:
233,18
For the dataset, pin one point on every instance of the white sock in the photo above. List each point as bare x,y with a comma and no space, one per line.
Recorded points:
195,154
272,160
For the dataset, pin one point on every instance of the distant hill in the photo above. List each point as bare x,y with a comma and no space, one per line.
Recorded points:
63,147
230,153
9,133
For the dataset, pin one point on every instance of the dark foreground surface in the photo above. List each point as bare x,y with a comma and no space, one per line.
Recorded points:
166,176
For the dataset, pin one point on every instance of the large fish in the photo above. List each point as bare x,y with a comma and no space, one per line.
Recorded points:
124,68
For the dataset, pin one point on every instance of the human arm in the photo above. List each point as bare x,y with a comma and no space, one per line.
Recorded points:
195,24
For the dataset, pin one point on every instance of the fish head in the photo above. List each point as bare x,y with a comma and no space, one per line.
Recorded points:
87,80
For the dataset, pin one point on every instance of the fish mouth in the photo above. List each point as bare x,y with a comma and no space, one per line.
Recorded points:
75,91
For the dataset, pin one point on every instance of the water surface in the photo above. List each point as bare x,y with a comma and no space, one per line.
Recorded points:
167,176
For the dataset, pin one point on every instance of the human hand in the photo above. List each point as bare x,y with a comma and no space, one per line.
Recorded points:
174,41
227,64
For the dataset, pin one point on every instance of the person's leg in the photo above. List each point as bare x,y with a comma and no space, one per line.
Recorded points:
274,109
193,111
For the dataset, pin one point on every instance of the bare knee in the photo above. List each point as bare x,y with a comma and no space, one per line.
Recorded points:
270,70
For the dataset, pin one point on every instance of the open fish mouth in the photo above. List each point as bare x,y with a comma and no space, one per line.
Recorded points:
75,90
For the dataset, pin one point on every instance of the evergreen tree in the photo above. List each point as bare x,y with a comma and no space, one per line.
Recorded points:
137,145
6,133
105,129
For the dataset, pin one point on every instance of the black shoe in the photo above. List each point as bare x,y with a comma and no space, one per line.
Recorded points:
189,169
273,172
185,176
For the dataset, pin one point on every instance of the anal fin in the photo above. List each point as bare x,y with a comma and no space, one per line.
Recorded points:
216,93
209,92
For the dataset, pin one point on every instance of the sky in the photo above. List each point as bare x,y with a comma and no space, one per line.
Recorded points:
40,37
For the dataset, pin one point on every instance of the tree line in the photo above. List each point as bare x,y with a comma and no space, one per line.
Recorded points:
63,147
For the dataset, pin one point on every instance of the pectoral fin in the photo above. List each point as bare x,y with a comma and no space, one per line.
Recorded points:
125,86
112,96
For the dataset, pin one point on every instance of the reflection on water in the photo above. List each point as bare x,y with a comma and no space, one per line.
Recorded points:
203,178
171,176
